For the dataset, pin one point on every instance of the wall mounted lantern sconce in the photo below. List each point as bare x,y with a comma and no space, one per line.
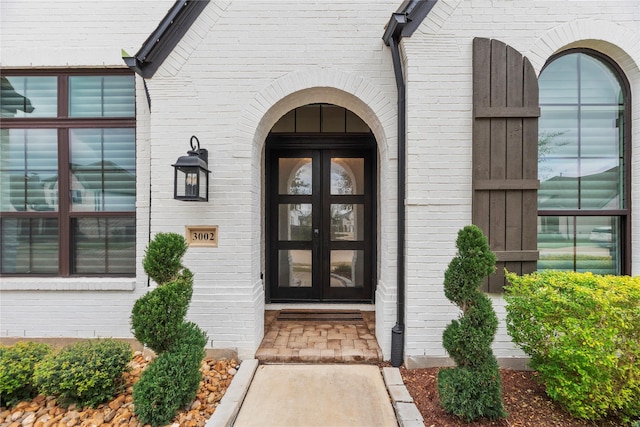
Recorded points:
191,176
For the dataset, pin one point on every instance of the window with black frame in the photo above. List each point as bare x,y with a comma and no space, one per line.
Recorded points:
583,201
67,173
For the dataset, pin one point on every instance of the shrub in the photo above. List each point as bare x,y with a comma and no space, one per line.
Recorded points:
156,317
16,370
163,257
87,373
472,389
172,380
157,320
582,332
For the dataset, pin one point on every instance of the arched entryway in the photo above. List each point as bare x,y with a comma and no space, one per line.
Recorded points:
320,165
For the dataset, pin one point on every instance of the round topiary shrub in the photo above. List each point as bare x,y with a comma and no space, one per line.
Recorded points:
17,363
472,389
86,373
156,317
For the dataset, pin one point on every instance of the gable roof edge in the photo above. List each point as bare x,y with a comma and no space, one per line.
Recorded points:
165,37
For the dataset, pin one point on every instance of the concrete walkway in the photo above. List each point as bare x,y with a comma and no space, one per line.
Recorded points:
316,396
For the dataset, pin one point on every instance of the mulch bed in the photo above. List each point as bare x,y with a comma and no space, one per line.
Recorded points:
524,398
44,411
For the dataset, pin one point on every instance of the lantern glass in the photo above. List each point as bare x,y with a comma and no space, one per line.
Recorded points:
191,176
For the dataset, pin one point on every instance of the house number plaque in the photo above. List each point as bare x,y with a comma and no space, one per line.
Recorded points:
202,235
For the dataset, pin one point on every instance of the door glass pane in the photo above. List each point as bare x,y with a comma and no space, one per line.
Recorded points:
294,222
104,245
347,176
347,221
295,176
308,118
29,170
30,246
29,96
101,96
347,269
333,118
294,269
103,169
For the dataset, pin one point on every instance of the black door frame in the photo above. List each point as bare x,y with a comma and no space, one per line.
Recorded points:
320,147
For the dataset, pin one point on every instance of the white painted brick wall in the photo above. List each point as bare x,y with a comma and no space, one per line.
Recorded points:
242,66
439,126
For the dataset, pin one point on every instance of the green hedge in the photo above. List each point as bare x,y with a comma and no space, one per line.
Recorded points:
87,373
17,363
582,332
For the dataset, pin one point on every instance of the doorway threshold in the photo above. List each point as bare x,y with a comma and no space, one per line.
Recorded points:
318,306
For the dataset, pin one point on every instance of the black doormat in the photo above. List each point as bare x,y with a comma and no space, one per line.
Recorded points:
343,316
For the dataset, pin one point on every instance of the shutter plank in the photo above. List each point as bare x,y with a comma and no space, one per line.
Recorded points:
505,152
481,130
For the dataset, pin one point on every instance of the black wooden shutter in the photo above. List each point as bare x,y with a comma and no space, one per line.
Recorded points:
505,156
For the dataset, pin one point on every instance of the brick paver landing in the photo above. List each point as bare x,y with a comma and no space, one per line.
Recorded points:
319,341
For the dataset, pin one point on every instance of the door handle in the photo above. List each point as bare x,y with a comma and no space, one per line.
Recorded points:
316,233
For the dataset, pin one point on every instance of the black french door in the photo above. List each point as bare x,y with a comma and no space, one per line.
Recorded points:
320,218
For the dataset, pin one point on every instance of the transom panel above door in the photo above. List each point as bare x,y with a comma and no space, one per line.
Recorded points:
320,218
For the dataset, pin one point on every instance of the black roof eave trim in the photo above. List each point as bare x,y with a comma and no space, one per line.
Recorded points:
407,18
165,37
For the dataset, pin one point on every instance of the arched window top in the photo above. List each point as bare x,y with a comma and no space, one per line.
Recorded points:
583,158
580,77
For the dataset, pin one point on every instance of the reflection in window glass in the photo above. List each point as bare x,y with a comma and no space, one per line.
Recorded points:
294,269
103,169
29,170
29,96
101,96
104,245
581,165
347,176
580,145
347,269
579,244
294,221
29,245
558,82
347,221
40,197
295,176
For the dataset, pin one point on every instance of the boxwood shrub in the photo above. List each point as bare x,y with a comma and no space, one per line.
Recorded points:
86,373
172,380
157,316
163,257
17,363
582,332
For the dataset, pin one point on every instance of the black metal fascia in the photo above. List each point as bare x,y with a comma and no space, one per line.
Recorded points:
402,24
165,37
